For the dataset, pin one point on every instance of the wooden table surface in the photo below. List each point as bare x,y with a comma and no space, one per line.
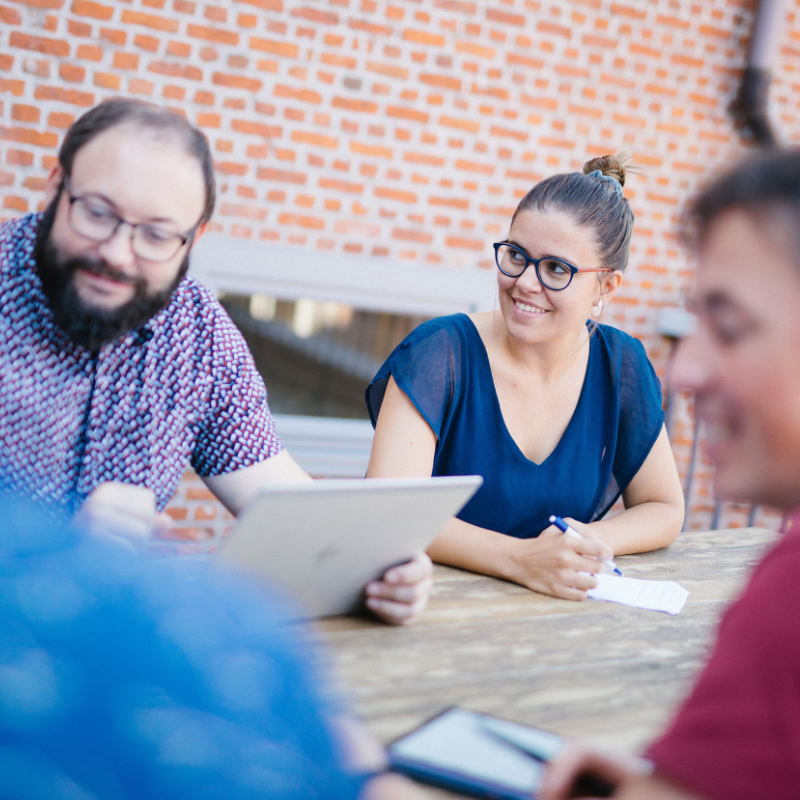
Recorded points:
602,671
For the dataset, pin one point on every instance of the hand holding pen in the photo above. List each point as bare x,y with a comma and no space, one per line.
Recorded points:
568,530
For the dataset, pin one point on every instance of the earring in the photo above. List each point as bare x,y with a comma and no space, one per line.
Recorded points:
597,307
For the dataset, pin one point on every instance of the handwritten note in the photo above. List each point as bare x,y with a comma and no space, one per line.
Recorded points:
653,595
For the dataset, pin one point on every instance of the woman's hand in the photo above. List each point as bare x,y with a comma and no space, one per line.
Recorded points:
557,564
402,592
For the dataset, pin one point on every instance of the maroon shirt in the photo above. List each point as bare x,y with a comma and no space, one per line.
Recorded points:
738,733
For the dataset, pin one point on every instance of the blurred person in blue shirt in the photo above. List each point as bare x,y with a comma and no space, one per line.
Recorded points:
125,677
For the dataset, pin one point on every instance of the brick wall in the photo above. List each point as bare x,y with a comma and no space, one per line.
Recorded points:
403,128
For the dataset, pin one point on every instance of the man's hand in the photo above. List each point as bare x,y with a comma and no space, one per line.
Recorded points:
402,592
123,513
578,767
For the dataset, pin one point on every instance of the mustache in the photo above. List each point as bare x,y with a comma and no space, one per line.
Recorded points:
101,269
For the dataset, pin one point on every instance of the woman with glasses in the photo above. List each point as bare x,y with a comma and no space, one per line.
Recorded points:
560,414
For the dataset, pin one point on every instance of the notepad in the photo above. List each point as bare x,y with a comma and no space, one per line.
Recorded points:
667,596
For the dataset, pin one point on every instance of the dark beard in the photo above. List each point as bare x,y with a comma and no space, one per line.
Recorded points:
87,325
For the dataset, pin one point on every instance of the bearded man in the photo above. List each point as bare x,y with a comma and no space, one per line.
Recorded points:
119,370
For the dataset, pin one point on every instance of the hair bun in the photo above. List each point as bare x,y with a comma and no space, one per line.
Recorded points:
614,166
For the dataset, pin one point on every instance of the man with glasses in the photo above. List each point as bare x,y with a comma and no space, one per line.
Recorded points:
119,371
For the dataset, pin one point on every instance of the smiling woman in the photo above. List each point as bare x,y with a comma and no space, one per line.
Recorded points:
560,415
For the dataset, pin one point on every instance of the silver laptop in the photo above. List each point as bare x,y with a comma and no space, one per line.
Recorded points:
322,542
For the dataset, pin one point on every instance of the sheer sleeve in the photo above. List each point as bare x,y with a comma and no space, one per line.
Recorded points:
425,365
638,413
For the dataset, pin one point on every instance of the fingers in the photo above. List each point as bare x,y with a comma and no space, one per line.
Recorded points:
394,612
402,592
123,513
416,570
578,767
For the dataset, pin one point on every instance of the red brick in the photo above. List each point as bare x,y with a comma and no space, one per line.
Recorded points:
140,86
25,113
265,5
89,52
107,80
71,73
114,36
176,70
216,14
296,93
126,61
39,44
179,49
16,88
61,120
146,42
173,92
423,37
236,81
85,8
10,16
506,18
282,176
313,223
316,15
395,194
277,48
71,96
213,34
154,21
29,136
315,139
14,203
341,186
18,158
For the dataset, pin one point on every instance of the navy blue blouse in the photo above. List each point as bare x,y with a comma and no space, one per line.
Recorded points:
443,368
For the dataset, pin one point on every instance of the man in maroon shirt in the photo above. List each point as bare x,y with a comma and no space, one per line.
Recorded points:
737,735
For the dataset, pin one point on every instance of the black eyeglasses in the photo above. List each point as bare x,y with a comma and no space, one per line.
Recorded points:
91,216
553,273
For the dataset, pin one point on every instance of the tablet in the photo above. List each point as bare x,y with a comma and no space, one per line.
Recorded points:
321,542
476,754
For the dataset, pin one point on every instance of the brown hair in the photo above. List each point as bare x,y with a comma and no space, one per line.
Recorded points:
592,198
119,110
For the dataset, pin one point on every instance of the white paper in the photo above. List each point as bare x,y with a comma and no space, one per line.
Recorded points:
666,596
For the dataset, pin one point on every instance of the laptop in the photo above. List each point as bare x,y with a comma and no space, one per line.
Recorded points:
322,542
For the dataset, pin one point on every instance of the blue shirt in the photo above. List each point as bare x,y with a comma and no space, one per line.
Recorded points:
443,368
180,391
124,678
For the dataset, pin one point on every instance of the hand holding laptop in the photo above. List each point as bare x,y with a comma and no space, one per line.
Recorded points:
402,591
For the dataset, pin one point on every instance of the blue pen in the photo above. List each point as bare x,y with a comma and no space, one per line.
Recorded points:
570,531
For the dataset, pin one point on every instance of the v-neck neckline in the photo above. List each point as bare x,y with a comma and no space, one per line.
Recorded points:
499,409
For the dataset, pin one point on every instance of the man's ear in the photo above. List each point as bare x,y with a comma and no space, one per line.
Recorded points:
199,232
53,183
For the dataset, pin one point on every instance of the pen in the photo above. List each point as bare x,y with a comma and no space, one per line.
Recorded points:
585,784
570,531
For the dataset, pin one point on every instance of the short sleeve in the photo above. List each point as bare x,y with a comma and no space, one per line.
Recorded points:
238,429
638,410
737,735
425,367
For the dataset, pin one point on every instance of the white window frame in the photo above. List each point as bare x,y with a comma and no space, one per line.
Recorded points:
324,446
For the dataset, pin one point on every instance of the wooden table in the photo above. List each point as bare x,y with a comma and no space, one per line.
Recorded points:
602,671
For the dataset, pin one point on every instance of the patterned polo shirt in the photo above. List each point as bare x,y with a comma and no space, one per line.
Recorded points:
182,390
